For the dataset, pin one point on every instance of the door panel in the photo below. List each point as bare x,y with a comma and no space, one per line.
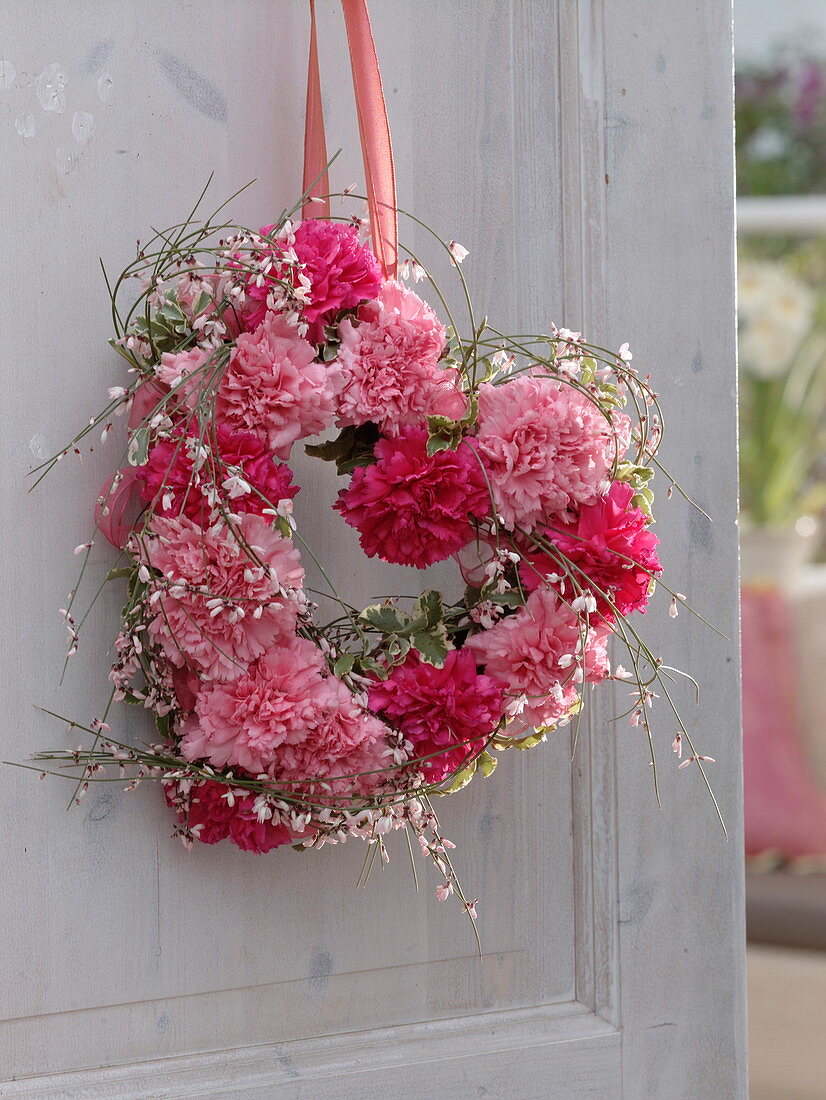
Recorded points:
551,141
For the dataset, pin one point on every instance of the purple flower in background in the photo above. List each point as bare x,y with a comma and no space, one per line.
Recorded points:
809,93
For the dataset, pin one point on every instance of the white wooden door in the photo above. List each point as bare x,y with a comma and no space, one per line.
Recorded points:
582,151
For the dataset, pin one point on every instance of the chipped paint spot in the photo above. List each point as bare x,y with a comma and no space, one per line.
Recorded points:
65,160
7,74
288,1065
97,57
38,446
200,93
25,125
50,89
104,87
321,967
101,807
82,127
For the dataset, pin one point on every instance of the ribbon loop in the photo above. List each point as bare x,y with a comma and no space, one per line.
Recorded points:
374,132
316,185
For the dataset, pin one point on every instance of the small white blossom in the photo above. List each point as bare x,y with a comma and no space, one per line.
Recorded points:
458,252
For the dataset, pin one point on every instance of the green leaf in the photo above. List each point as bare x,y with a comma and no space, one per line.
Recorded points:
443,442
428,609
589,371
344,664
163,724
446,434
353,447
138,447
371,665
460,780
119,574
529,742
201,303
397,647
486,763
434,646
506,599
385,618
171,311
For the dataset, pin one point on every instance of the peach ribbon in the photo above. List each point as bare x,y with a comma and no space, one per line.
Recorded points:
374,131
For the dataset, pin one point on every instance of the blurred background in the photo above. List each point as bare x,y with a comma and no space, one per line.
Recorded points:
780,94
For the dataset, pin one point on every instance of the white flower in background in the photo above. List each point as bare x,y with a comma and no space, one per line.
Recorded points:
776,312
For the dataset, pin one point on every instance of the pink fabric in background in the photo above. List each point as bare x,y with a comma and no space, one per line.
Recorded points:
784,810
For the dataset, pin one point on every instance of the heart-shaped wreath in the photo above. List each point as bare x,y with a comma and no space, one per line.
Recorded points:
515,456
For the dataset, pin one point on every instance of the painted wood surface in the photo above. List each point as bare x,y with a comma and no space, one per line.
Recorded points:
584,157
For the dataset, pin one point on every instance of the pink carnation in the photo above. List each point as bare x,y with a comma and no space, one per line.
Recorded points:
546,447
273,387
244,722
342,271
342,274
447,713
390,364
202,565
187,374
534,650
610,545
344,746
207,812
212,817
250,834
413,508
287,717
170,484
209,290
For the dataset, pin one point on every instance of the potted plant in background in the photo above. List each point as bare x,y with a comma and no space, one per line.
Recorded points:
782,348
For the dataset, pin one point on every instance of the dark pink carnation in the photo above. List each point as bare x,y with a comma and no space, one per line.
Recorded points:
250,834
610,545
446,713
207,812
169,481
342,274
413,508
211,817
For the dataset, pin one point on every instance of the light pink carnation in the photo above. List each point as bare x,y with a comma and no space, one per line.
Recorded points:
187,374
546,447
244,722
274,388
287,717
345,746
202,565
525,649
390,364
